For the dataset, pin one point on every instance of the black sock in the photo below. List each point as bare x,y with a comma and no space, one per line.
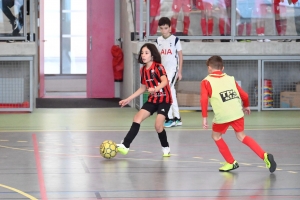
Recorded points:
134,129
163,139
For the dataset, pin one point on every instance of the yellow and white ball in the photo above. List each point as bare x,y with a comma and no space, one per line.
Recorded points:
108,149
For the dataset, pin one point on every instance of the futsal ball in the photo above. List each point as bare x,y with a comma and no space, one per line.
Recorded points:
108,149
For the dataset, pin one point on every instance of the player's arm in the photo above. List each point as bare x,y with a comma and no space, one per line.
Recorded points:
137,93
204,97
180,57
164,82
204,102
245,99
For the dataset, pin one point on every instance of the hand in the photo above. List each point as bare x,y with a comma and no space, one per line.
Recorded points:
124,102
151,90
204,123
247,110
179,77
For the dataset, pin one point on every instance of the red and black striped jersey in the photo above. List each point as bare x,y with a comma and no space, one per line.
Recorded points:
152,78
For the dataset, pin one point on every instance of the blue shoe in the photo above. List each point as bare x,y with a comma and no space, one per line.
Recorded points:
169,123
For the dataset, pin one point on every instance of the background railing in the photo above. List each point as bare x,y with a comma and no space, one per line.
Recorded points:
247,20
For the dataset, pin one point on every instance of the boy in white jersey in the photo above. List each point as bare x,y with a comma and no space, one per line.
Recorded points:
169,47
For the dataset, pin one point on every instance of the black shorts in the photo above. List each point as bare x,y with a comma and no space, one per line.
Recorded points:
161,108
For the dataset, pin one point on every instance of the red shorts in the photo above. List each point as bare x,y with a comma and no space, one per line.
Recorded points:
278,8
224,3
237,125
184,4
154,8
204,4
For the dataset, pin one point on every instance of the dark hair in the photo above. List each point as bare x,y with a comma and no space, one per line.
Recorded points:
164,21
154,53
215,62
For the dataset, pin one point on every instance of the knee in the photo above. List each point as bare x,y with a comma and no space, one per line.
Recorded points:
159,128
216,137
240,136
137,119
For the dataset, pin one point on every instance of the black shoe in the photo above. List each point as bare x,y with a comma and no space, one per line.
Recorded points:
224,40
185,40
17,26
297,40
287,40
204,40
210,40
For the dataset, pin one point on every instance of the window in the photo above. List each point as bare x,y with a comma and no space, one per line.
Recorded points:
65,35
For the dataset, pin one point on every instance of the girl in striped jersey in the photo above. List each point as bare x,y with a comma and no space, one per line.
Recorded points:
154,80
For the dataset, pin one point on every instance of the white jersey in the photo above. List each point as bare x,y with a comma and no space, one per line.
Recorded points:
168,49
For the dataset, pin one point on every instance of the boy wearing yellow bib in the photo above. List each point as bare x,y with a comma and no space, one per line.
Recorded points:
229,102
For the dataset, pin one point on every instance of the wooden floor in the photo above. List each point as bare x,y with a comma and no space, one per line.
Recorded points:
54,154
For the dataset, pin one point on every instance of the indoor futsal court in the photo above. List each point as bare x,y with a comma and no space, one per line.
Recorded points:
54,154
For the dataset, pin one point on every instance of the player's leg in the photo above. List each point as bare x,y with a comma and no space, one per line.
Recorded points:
210,19
18,23
259,21
260,14
278,21
283,21
222,17
6,5
186,7
203,24
228,21
248,26
252,144
297,19
225,19
175,107
238,126
170,121
241,27
176,7
260,28
241,10
154,15
159,127
146,111
218,130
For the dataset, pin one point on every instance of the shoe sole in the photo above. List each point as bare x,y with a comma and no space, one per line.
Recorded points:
172,125
227,170
272,162
166,155
121,151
